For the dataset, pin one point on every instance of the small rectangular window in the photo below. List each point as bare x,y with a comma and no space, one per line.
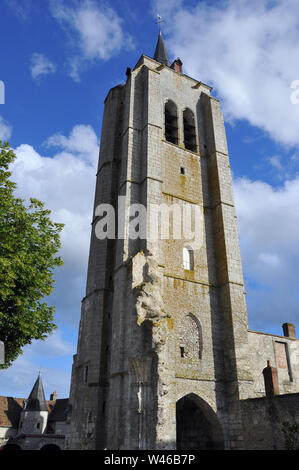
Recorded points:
182,351
182,170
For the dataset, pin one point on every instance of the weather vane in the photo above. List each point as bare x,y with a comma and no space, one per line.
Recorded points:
159,21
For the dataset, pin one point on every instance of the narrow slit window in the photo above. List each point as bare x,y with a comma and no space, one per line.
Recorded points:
85,376
171,123
189,131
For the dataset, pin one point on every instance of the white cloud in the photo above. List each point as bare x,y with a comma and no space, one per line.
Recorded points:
14,380
21,8
268,223
95,31
82,141
5,130
269,259
275,162
165,9
65,182
41,66
45,356
269,216
248,50
53,346
18,380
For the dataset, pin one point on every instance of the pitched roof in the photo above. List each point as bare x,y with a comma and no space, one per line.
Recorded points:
160,52
36,400
10,409
58,412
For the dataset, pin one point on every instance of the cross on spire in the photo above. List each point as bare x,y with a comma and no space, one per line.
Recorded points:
159,21
160,52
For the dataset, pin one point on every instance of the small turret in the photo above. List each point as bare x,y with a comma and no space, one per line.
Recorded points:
34,416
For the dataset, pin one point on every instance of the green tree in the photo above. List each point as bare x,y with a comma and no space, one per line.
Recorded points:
29,242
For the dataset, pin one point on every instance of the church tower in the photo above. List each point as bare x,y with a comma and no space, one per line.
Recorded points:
162,358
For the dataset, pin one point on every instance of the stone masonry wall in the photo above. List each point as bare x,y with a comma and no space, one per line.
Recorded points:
263,417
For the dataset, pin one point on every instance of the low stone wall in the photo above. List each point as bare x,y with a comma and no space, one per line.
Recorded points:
263,417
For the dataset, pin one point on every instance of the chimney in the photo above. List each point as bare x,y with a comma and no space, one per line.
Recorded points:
53,396
289,330
177,65
271,380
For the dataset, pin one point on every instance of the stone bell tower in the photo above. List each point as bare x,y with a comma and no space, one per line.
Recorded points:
162,357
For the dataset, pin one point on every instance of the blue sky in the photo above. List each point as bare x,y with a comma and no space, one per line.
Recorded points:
58,61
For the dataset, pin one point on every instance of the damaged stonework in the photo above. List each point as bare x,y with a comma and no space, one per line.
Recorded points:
147,286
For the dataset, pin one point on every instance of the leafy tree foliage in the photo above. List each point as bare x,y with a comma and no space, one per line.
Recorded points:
29,242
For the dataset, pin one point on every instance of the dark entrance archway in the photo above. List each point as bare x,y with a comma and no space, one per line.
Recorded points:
197,425
50,447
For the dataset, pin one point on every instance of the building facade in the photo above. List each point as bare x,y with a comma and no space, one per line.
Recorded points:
165,359
33,423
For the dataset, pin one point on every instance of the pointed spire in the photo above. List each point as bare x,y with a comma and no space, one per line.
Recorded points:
160,52
36,400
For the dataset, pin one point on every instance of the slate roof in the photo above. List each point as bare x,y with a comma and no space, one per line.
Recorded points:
36,400
160,52
10,409
59,409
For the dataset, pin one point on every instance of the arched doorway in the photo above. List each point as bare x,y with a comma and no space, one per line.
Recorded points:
197,425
